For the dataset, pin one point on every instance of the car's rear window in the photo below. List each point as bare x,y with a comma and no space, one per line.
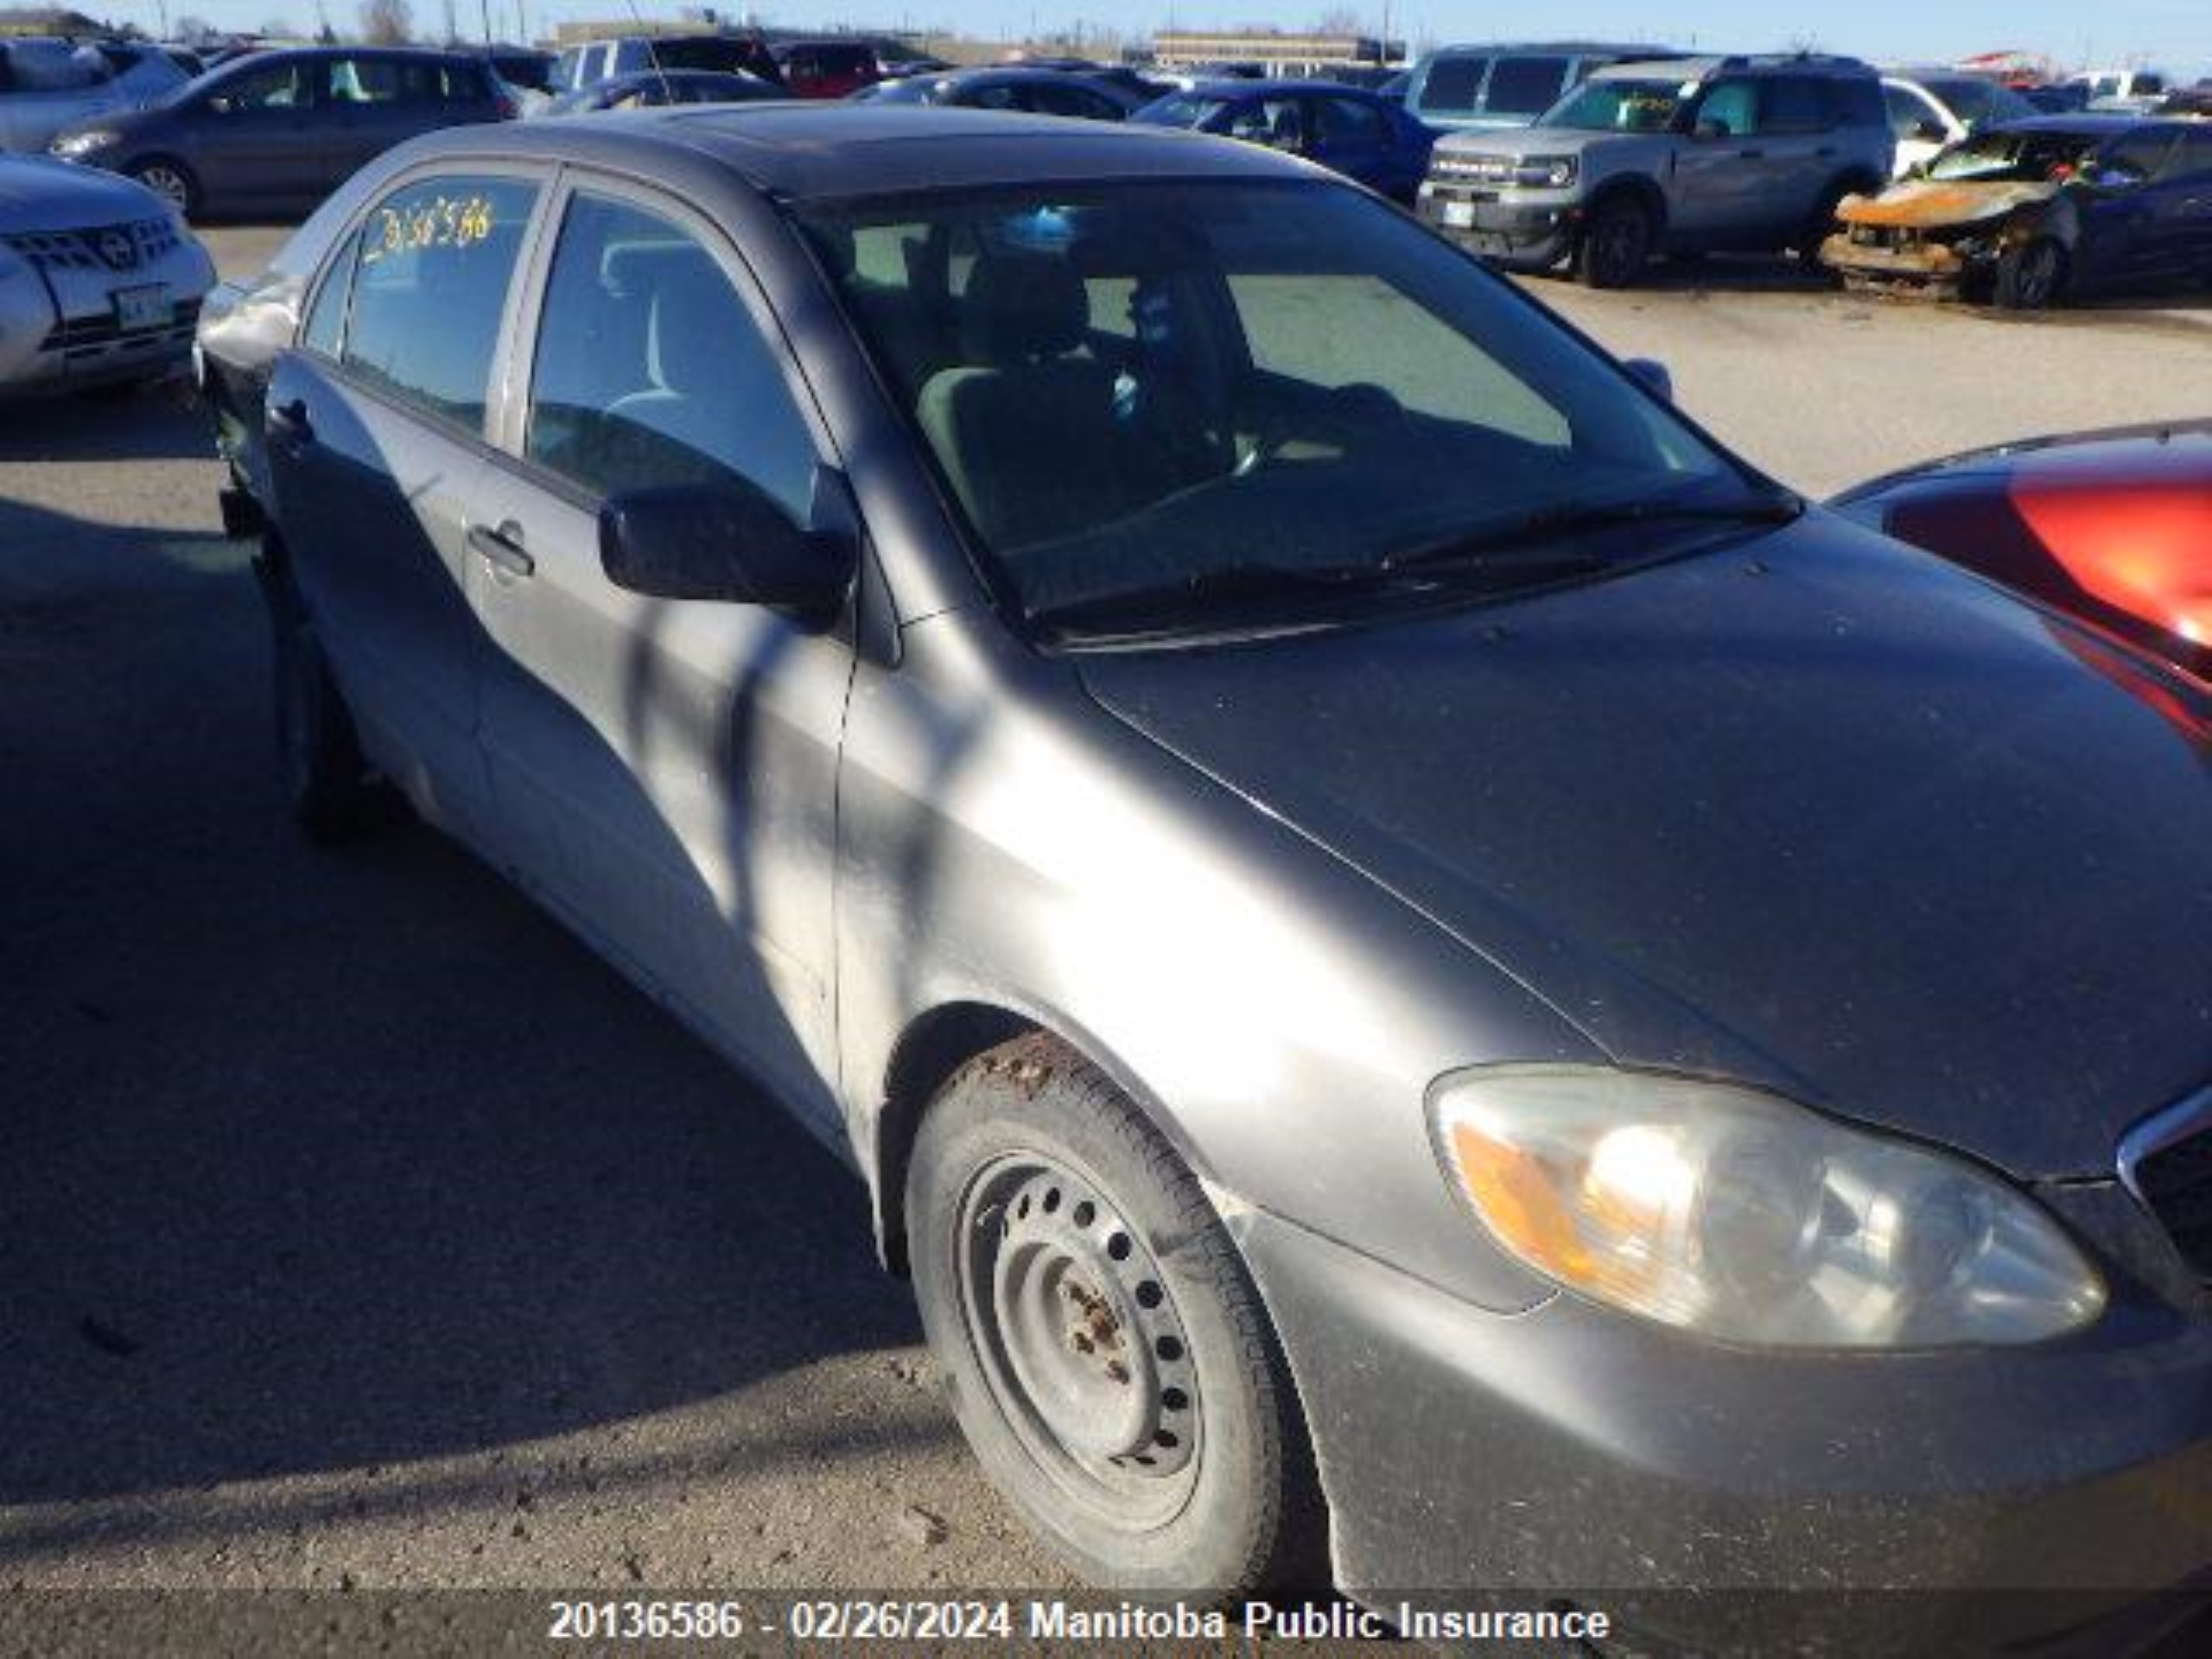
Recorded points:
1524,85
1452,86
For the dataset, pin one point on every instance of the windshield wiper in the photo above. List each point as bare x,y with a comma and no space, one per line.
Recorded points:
1522,539
1251,579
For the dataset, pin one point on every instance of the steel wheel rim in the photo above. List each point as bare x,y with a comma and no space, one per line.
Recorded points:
1080,1343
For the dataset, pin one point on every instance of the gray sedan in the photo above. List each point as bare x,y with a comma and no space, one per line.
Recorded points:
1433,980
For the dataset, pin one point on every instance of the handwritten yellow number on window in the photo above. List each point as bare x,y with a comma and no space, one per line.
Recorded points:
457,222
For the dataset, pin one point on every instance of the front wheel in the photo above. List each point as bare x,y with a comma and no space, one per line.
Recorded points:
2031,277
171,180
1616,242
1104,1348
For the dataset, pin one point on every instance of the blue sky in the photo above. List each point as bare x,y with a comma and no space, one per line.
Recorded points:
2174,34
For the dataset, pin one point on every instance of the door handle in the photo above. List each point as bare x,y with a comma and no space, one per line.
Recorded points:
502,548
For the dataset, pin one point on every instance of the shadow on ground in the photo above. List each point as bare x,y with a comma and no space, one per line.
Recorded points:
317,1161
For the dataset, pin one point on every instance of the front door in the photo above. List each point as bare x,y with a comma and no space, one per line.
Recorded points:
1718,196
256,134
666,769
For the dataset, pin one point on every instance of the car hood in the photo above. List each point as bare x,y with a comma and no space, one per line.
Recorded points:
40,194
1819,812
1518,141
1928,204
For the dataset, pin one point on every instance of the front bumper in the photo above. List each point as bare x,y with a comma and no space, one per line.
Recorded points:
1937,269
64,328
1520,234
1571,1452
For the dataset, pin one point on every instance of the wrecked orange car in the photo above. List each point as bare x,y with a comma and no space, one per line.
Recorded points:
2034,213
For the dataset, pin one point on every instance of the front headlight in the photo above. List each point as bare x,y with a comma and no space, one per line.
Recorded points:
1747,1218
1544,172
81,143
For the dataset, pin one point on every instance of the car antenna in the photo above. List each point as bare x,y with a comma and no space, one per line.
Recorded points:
652,55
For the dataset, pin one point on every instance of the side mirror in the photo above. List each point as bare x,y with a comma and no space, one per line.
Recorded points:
727,542
1655,375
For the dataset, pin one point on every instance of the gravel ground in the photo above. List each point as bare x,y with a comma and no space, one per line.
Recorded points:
358,1227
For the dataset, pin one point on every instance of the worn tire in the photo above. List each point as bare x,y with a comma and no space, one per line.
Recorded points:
2031,277
1243,1512
319,764
1618,241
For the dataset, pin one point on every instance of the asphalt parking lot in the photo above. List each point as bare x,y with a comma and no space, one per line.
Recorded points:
357,1227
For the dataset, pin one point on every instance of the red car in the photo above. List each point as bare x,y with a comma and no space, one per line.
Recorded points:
827,68
2114,526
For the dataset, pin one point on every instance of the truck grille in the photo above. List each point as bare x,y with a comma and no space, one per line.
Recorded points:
1472,169
2167,1162
105,247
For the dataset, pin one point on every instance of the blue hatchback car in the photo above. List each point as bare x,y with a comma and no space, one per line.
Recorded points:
1368,138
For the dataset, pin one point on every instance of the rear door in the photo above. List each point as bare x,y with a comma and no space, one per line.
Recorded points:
1799,156
380,99
377,454
2193,212
665,769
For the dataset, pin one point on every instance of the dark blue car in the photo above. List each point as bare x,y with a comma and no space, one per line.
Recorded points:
1365,136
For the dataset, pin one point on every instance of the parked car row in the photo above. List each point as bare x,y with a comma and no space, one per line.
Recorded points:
1395,932
1684,156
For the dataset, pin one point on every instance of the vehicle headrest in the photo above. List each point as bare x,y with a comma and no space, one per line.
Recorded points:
693,311
1020,307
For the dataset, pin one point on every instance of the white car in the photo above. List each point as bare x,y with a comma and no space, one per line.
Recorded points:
49,83
100,282
1932,109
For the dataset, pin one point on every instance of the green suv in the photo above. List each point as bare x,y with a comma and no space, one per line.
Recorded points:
1683,157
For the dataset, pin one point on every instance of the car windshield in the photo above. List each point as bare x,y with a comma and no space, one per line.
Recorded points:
1980,103
1143,390
2017,158
1618,105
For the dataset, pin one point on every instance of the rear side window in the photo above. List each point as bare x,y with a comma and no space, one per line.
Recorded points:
1452,86
1795,104
289,85
1341,121
326,325
649,368
429,287
1525,86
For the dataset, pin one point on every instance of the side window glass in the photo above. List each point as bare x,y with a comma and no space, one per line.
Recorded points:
1451,86
1906,110
326,325
1794,104
650,370
287,86
435,261
1524,85
1730,108
1340,121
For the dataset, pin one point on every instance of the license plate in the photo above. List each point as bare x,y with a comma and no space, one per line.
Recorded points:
142,307
1459,215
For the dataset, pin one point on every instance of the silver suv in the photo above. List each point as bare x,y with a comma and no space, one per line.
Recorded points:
47,83
1681,156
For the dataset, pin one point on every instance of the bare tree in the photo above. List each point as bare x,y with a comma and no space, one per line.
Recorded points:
387,22
1339,20
277,27
191,27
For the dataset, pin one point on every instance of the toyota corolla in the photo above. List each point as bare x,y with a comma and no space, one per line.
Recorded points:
1434,978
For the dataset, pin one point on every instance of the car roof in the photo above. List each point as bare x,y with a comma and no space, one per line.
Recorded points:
1553,49
1698,68
1227,86
800,151
2091,124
